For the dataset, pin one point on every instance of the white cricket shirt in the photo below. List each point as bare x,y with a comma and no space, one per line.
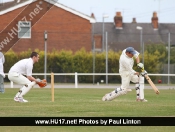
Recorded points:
126,63
24,66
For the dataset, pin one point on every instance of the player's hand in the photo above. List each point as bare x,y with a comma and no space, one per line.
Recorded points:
143,73
140,65
38,80
136,73
42,83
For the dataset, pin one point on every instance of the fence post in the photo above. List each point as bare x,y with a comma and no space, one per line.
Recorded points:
76,80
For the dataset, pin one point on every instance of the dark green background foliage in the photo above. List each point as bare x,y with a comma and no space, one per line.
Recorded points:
82,62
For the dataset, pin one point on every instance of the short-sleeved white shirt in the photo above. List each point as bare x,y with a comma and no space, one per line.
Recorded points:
24,66
127,63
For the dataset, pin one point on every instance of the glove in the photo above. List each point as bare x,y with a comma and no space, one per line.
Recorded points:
41,83
143,73
140,65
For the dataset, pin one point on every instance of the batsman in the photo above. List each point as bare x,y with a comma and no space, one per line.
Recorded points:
128,74
21,73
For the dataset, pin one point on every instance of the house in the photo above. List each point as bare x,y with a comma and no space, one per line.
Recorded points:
69,29
121,35
24,23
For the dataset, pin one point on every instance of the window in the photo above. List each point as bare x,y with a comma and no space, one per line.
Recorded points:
24,29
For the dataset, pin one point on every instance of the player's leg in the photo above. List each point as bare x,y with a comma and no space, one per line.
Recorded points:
135,79
118,91
114,94
141,81
125,79
2,90
139,86
20,79
25,89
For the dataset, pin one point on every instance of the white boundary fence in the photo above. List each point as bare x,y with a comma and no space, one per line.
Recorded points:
79,74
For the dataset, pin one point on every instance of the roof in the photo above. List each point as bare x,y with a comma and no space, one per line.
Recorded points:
10,6
119,39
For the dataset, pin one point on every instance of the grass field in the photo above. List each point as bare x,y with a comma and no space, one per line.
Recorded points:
86,102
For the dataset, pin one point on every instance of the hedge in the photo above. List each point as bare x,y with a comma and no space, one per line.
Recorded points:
82,62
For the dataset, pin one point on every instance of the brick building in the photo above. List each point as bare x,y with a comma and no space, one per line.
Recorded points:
69,29
121,35
66,28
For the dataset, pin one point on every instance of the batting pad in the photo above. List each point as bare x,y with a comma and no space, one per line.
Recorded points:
25,89
141,82
114,94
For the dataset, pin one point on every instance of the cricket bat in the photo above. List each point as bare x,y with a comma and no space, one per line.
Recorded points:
144,73
151,84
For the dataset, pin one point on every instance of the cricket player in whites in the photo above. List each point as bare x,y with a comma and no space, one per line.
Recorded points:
127,74
2,75
21,73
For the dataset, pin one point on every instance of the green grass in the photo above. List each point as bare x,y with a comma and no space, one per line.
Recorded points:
86,102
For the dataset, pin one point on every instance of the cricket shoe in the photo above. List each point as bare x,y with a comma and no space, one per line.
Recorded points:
141,100
104,98
20,99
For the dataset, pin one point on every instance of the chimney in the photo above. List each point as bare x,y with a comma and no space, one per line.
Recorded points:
92,15
134,20
118,21
155,21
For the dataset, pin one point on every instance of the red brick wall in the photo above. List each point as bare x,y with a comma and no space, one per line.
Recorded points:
65,31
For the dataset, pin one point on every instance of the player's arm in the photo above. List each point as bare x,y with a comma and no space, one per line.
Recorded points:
29,73
127,65
137,60
136,56
139,65
33,79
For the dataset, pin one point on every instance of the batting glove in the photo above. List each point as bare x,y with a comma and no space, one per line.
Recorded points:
38,80
140,65
143,73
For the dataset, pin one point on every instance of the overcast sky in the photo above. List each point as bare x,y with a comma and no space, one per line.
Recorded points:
142,10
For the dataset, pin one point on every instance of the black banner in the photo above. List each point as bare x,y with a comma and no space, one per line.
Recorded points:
87,121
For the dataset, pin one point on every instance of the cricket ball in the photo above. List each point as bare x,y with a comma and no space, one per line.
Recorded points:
159,81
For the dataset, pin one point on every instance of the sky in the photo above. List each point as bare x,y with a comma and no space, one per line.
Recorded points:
142,10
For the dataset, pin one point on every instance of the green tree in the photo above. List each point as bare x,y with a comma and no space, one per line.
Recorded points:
161,48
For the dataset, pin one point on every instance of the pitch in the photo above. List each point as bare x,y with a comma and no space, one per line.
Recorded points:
86,102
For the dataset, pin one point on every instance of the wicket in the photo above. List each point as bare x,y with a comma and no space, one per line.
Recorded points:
52,86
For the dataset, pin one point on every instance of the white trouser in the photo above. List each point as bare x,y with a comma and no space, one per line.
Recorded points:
20,79
139,81
126,77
